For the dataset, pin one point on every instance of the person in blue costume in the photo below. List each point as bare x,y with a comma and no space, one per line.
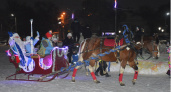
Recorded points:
28,46
46,44
18,47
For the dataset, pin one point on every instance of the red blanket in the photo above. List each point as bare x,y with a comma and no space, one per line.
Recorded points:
111,42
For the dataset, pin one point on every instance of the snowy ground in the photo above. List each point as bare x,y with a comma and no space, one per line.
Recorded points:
150,82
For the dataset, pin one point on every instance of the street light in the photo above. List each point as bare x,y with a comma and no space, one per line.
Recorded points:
167,14
115,7
15,19
120,31
159,28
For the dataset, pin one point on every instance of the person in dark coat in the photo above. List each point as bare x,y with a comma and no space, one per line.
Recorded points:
87,32
68,41
76,29
102,67
138,34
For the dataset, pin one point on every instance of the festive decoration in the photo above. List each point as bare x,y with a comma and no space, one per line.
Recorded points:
169,61
115,5
72,16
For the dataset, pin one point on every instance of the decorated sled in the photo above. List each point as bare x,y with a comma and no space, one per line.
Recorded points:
28,64
40,66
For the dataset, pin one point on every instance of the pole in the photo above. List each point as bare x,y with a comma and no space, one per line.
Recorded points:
31,21
115,20
115,6
1,29
16,24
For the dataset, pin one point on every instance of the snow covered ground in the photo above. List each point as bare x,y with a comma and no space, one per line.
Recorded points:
149,80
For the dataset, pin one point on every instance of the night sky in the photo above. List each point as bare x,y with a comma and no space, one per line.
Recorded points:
137,3
75,4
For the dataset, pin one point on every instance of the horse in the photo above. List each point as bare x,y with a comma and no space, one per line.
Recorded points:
91,47
150,44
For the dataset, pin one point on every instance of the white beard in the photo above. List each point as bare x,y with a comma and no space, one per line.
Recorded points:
21,44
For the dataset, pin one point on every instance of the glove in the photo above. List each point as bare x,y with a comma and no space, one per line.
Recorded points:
38,34
10,34
31,38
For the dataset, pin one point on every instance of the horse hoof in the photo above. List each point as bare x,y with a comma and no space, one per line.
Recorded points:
87,73
73,80
96,81
133,82
122,84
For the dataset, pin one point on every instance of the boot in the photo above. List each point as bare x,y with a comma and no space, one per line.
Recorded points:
96,73
107,75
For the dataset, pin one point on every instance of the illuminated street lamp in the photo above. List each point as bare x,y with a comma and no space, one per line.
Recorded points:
120,31
62,23
115,7
162,30
167,14
159,28
63,17
15,19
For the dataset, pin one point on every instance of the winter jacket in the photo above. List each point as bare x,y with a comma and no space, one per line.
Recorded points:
45,47
69,43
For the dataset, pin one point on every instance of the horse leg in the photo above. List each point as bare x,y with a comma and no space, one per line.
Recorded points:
135,67
74,73
122,68
92,74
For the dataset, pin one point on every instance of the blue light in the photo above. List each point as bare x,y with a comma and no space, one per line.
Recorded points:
115,5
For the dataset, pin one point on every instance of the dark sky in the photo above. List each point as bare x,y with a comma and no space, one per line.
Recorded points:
137,3
75,4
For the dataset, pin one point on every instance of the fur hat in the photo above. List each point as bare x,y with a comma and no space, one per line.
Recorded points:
48,35
28,38
16,35
69,34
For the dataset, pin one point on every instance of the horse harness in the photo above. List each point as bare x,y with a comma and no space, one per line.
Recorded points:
101,45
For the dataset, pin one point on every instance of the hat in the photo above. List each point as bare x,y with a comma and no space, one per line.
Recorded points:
28,38
69,34
16,35
48,35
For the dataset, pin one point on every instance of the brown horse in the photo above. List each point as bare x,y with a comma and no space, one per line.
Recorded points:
93,46
150,44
